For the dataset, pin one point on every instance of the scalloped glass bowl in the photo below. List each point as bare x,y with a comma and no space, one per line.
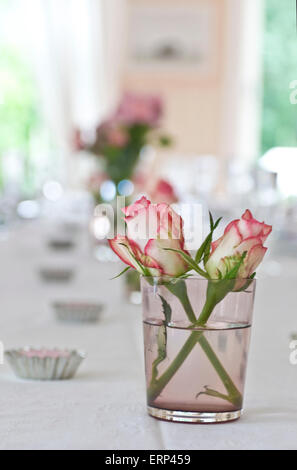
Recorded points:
44,364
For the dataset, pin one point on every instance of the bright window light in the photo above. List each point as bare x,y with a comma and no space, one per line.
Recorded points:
283,161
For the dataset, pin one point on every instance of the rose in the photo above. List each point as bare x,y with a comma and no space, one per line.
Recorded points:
139,109
78,143
164,192
117,137
111,133
245,235
151,229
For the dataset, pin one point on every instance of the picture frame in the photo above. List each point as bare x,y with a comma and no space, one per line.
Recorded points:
173,37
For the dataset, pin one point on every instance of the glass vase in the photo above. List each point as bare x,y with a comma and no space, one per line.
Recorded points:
196,342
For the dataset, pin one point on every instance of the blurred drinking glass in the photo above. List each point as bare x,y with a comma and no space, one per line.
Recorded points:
206,176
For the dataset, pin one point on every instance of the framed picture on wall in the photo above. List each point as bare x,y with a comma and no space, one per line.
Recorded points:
173,36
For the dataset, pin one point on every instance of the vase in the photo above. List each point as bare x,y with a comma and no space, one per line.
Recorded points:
196,342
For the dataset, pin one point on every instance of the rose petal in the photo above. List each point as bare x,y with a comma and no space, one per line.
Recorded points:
143,226
133,209
248,244
252,261
234,223
116,244
144,259
225,247
171,263
250,227
170,223
247,215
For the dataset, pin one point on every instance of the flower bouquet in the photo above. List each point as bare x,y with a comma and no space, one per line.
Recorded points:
197,311
120,138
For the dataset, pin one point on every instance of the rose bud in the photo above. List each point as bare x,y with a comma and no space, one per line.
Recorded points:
245,235
151,229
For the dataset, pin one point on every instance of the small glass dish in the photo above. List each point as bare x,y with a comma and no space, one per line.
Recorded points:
44,364
60,244
56,274
80,312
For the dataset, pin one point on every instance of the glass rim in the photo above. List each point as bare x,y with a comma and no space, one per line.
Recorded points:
195,277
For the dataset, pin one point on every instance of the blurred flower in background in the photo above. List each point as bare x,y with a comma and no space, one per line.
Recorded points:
163,192
119,139
140,109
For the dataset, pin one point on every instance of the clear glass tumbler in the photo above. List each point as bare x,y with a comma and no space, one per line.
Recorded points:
195,370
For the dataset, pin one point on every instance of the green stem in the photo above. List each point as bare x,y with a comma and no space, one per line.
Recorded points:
209,305
157,386
233,393
180,291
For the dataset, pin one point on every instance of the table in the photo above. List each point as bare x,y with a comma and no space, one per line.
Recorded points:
104,406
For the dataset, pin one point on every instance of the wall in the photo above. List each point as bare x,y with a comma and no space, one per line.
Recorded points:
192,101
204,113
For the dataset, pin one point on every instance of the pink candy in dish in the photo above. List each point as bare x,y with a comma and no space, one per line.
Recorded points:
44,364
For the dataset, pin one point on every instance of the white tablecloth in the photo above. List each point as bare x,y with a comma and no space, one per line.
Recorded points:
104,406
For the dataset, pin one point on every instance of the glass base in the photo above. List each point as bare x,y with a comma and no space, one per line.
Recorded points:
193,416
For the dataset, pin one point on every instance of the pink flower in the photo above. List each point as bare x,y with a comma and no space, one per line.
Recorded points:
78,143
139,109
117,137
164,192
240,236
111,132
151,228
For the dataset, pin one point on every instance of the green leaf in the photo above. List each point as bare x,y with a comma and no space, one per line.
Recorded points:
207,251
213,393
204,251
166,310
162,339
162,353
232,274
192,263
201,250
165,141
143,269
184,276
211,221
122,272
217,223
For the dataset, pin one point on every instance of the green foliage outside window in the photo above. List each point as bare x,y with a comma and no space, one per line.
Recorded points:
18,109
279,119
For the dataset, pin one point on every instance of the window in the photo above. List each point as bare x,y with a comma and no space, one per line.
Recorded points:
279,116
22,134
